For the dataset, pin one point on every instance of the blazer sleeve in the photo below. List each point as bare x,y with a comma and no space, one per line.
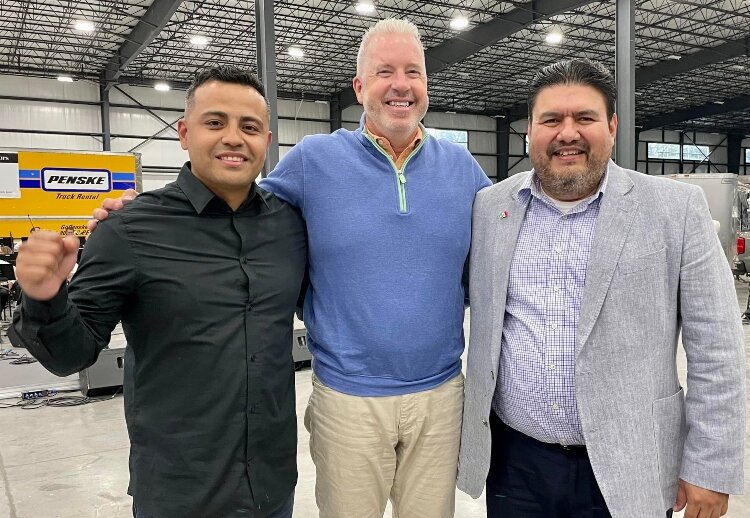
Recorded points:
713,340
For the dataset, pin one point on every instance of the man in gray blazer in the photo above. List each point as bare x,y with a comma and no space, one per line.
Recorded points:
583,274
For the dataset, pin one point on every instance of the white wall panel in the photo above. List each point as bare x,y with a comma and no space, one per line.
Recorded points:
291,132
48,88
489,165
148,97
49,116
34,141
155,152
304,109
153,181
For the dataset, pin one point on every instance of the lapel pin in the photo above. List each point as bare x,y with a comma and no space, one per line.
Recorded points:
504,214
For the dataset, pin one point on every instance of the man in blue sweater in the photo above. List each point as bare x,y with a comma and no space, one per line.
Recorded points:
388,213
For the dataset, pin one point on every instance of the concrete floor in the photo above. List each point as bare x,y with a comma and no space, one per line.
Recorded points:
72,462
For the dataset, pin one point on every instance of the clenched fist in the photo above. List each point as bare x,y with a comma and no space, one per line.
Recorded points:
44,262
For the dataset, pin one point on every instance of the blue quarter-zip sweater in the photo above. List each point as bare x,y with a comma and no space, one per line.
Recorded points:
384,310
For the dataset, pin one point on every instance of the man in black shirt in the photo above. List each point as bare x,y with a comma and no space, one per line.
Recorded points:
209,378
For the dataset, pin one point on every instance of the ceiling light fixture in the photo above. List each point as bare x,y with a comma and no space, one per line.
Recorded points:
554,36
198,40
65,79
459,22
295,52
365,7
718,102
739,68
84,26
161,87
674,57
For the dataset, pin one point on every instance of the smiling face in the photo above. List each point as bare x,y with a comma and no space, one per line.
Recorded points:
570,140
225,132
392,86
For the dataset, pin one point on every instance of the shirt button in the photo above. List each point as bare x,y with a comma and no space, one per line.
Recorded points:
555,406
553,325
558,250
252,357
484,422
244,260
556,288
551,366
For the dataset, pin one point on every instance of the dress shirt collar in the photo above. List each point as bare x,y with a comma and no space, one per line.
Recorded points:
200,196
531,186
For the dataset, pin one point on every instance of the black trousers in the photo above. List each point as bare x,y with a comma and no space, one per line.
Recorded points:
532,479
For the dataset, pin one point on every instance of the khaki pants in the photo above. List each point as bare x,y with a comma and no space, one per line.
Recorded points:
367,449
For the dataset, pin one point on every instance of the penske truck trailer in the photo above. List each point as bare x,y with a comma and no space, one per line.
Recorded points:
54,190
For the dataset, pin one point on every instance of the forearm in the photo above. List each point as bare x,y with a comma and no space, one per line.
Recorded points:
56,335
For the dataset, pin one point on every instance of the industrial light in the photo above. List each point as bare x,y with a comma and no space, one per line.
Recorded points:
459,22
679,98
161,87
364,7
739,68
554,37
198,40
65,79
84,26
450,112
718,102
674,57
295,52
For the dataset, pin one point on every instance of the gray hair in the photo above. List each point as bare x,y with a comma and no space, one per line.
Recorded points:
386,26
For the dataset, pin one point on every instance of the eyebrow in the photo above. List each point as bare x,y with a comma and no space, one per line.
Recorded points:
223,115
545,115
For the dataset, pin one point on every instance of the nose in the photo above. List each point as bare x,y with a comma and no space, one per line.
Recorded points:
232,135
568,130
399,81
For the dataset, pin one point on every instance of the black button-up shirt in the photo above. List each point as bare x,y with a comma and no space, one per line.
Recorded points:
206,297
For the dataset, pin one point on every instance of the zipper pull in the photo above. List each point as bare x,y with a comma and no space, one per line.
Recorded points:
401,177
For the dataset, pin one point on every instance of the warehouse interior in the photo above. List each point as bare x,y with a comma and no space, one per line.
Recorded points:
110,76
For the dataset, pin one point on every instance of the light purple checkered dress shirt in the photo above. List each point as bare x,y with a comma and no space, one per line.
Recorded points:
536,392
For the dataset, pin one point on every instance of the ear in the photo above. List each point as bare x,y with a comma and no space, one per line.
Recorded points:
613,126
270,139
182,133
357,85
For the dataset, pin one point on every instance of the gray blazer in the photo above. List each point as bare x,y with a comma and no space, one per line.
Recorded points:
656,267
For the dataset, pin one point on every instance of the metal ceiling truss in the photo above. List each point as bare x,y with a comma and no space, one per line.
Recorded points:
485,69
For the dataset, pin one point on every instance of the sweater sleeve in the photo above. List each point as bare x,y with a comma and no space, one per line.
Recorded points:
287,180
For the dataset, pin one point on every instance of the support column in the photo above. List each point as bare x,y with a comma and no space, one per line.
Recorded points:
335,113
266,54
734,152
104,112
625,75
502,126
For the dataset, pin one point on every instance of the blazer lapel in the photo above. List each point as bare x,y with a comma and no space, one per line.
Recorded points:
507,226
612,227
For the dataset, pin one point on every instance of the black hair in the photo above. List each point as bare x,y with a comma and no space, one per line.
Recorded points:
576,72
225,74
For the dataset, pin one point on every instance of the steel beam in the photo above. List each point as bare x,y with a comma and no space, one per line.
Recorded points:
708,56
502,125
468,43
148,27
625,75
738,103
734,152
266,53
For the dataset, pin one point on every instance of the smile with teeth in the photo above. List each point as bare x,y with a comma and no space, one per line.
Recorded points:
232,158
568,153
404,104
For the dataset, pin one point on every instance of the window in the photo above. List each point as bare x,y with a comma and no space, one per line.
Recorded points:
747,156
663,151
695,153
460,137
526,145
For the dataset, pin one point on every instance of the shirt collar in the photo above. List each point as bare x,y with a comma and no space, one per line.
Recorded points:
532,187
364,128
200,196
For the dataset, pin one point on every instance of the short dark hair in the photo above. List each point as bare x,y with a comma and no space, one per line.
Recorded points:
576,72
225,74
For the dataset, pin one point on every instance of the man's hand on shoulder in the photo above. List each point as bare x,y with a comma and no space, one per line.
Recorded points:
110,204
700,502
44,262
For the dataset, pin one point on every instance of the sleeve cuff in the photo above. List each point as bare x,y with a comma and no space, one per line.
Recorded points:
44,311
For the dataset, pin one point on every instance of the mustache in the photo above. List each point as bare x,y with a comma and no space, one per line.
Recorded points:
554,147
